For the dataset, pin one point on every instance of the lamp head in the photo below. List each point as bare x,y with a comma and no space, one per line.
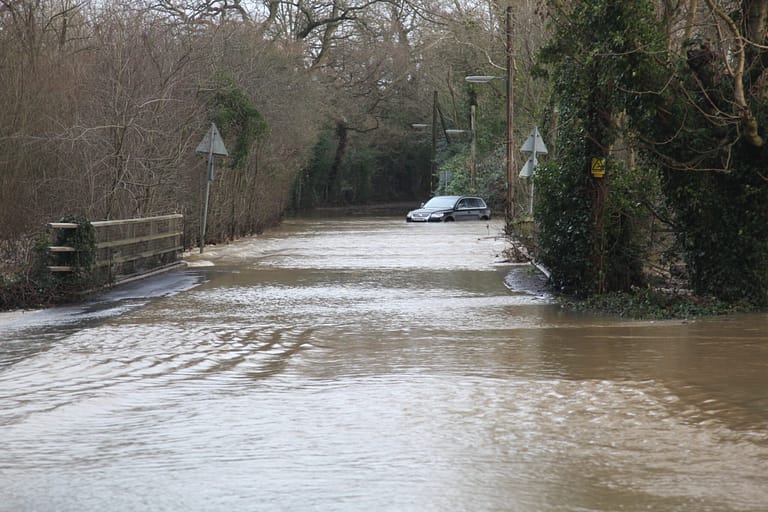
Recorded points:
480,79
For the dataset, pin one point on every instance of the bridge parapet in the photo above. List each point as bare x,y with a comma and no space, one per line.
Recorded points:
122,249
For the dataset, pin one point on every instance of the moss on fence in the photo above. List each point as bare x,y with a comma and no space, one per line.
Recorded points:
26,280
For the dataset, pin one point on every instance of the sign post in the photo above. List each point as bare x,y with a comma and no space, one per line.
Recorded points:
534,144
212,144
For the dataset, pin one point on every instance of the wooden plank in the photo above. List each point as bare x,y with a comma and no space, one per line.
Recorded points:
61,248
60,268
147,254
63,225
120,222
130,241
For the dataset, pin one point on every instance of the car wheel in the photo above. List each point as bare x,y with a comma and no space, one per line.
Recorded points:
449,219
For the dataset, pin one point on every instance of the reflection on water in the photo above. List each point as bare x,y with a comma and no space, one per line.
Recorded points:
369,363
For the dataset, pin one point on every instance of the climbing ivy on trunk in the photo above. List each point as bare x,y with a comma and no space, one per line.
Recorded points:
696,120
588,224
703,133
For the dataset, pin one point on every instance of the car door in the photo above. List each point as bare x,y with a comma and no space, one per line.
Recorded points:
462,210
476,206
469,210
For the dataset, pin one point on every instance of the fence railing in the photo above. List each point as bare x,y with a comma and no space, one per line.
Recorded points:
129,247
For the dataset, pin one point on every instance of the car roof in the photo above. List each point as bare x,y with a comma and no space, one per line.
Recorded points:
456,198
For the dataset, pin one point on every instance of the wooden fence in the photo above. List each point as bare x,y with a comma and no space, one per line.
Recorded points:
129,248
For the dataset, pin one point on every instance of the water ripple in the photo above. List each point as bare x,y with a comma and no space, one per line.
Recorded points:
340,366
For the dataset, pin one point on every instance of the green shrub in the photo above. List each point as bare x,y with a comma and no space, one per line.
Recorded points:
652,304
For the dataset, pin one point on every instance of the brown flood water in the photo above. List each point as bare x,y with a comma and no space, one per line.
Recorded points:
369,364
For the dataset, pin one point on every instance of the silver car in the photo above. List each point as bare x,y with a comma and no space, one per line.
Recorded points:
450,208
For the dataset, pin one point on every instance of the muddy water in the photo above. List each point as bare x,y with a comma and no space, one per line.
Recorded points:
370,364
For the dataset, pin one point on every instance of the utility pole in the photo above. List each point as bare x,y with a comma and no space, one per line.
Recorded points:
510,119
433,153
472,147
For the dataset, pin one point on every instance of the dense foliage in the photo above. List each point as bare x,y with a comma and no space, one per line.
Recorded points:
37,286
590,225
653,304
695,121
722,222
713,174
704,136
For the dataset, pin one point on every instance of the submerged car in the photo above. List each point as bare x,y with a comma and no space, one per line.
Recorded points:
450,208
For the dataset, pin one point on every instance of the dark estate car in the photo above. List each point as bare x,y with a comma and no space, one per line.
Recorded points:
450,208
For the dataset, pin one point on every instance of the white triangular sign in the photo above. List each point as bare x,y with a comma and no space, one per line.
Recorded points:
529,167
218,143
534,143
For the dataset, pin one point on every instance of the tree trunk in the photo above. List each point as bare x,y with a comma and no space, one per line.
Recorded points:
334,176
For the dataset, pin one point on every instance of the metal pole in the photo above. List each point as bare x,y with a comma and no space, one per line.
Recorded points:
208,180
472,151
433,154
510,117
530,206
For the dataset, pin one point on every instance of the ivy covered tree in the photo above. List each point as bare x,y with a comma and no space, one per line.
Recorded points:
705,136
600,53
684,84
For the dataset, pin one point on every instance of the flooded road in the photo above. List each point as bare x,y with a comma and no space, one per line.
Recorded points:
369,364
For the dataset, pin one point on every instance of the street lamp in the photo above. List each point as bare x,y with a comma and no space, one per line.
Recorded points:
447,132
510,78
433,150
484,79
471,133
481,79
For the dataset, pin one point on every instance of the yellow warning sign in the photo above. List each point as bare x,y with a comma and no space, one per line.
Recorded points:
598,167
